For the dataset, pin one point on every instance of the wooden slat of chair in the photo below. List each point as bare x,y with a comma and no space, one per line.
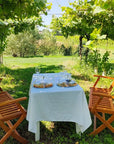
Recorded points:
100,101
9,110
106,77
0,87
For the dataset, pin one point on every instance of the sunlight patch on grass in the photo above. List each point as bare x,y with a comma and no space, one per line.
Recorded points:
49,125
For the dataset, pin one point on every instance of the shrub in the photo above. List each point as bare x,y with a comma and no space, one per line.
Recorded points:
47,45
68,46
21,44
101,63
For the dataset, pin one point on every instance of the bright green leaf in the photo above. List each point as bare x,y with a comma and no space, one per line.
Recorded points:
102,37
98,9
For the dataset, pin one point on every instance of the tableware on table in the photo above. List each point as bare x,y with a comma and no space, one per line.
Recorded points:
37,70
42,79
68,77
43,85
63,75
66,84
36,79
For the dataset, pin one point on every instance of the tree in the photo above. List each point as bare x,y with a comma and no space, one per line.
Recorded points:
104,10
18,14
20,9
47,45
3,32
83,17
21,44
77,19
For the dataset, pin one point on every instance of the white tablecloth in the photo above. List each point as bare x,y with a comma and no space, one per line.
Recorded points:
57,104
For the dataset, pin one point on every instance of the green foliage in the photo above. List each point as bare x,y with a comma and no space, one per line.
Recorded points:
25,24
108,139
76,20
21,15
68,46
47,45
94,37
21,44
4,27
84,18
101,63
21,9
104,11
67,51
11,26
35,33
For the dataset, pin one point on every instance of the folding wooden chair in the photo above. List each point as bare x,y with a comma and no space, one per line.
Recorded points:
11,109
101,103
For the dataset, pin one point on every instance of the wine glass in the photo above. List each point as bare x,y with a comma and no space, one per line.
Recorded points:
68,77
42,79
37,70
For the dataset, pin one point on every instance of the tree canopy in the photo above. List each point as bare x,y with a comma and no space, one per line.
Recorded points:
83,16
19,9
20,15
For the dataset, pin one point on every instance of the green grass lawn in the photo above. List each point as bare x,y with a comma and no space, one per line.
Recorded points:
17,74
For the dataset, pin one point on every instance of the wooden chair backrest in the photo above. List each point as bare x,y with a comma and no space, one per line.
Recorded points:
9,107
111,86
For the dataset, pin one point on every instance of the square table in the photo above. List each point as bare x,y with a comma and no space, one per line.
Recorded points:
56,103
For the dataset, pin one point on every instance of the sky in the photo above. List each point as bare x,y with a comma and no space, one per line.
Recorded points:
55,10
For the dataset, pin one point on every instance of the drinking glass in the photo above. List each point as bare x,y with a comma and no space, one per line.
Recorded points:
42,79
68,77
37,70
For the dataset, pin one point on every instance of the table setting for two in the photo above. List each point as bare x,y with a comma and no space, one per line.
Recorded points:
56,97
62,79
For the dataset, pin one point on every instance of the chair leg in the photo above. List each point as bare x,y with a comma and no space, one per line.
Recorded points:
16,135
94,122
106,122
103,114
6,129
19,138
104,125
12,131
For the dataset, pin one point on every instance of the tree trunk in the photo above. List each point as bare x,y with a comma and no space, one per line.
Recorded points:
87,50
1,58
80,47
88,37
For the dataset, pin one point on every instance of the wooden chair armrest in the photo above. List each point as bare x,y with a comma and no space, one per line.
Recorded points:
102,94
103,77
12,101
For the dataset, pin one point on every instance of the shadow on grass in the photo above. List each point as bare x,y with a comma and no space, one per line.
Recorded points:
82,77
21,79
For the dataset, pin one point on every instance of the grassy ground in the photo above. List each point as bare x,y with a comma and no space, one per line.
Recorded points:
17,74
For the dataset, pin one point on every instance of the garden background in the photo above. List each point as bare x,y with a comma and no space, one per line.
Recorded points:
66,47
